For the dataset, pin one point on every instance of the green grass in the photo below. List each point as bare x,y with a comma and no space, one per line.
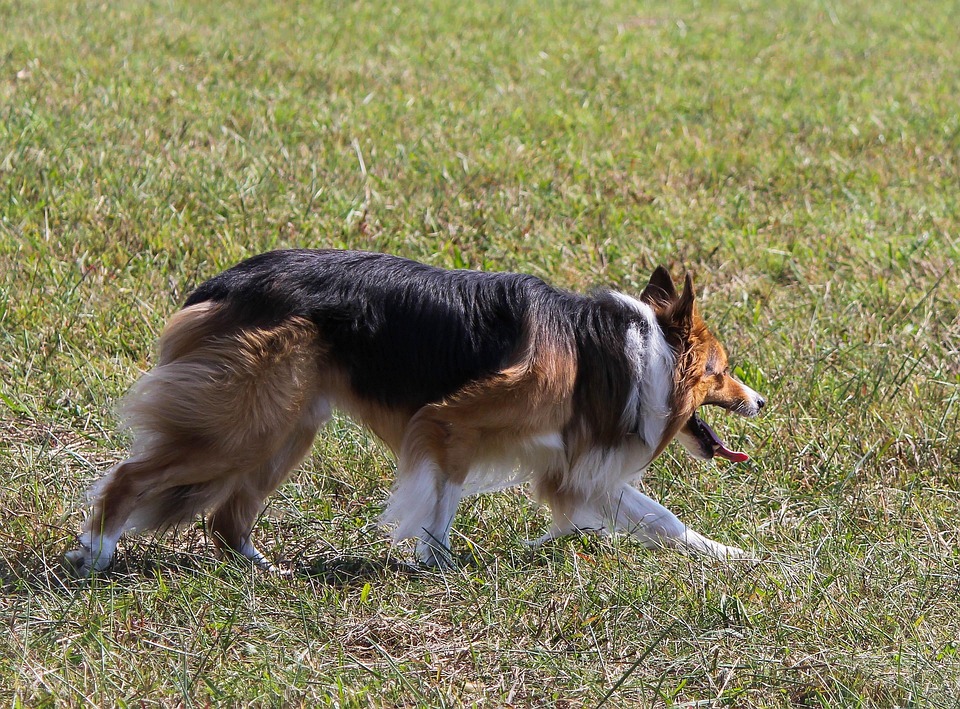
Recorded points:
800,158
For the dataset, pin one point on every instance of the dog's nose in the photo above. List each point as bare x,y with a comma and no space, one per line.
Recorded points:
761,402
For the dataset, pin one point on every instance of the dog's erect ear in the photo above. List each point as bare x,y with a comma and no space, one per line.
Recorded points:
684,309
660,290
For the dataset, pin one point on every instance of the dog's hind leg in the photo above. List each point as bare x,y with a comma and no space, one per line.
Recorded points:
223,406
232,521
116,501
159,486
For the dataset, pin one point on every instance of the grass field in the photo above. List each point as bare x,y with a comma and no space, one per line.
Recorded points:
801,159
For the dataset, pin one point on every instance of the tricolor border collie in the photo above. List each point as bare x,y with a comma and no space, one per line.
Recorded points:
476,381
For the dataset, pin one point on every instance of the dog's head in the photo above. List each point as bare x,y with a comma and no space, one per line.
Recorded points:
702,374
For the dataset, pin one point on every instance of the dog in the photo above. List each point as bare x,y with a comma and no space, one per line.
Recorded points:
475,381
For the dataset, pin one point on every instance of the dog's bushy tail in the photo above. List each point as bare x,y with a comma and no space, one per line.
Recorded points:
220,383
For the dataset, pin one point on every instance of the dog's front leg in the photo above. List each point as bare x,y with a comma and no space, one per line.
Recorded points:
583,518
423,505
654,525
428,489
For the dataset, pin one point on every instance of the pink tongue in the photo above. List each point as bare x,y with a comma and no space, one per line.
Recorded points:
735,456
722,450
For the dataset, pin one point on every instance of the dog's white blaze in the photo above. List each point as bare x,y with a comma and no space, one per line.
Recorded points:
753,403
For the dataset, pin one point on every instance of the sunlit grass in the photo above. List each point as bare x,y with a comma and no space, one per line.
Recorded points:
801,160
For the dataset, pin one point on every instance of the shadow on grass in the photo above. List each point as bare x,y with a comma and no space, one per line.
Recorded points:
341,571
30,571
27,572
42,569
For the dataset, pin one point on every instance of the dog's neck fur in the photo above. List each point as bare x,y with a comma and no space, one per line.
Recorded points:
649,407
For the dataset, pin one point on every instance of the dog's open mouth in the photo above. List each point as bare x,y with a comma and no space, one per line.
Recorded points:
710,441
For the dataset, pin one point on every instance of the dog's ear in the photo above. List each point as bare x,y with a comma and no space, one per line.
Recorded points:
660,290
685,307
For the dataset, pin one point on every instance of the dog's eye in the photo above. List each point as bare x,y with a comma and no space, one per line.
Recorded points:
715,372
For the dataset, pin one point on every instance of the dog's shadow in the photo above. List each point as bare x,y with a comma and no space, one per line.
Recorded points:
29,571
343,570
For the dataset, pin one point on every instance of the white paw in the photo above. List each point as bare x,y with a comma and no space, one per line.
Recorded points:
729,553
433,555
736,554
253,555
81,563
537,543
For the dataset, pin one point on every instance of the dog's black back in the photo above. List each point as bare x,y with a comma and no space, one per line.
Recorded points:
380,315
